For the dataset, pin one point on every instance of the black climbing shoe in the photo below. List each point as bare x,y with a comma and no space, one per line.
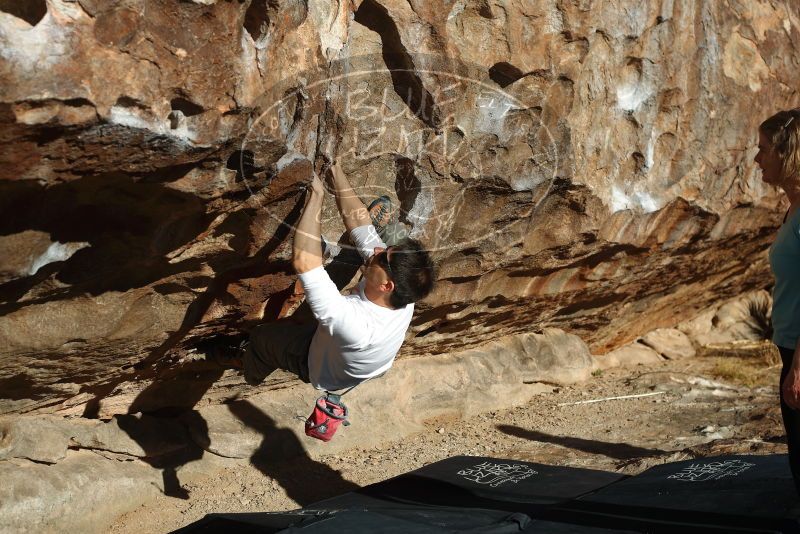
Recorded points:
381,212
227,355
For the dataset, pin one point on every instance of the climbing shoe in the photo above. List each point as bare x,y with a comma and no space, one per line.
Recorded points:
227,355
381,212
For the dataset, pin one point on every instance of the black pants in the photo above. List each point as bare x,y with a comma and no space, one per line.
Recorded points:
279,345
791,420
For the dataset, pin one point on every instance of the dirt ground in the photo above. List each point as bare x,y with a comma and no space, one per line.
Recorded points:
715,404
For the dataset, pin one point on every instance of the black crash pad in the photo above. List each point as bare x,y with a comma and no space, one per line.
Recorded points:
415,520
459,494
420,520
476,482
249,523
480,494
720,494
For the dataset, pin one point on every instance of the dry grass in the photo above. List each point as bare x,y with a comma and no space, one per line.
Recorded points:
750,364
764,351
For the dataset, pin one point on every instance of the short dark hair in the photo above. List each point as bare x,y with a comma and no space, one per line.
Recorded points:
412,273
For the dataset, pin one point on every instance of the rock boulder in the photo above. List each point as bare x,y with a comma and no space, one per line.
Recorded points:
575,165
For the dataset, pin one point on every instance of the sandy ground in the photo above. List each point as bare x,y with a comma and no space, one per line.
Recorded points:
697,407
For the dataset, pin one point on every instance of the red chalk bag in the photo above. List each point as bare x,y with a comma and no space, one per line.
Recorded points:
329,412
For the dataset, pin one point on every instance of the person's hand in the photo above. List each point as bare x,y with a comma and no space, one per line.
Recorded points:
791,388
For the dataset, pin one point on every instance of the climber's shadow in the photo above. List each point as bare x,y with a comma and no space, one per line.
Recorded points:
168,461
256,266
177,389
181,390
304,480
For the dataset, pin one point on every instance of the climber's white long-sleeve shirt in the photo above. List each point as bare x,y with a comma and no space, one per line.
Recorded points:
356,339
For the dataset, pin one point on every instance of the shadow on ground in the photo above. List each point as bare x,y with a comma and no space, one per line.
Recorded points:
304,479
620,451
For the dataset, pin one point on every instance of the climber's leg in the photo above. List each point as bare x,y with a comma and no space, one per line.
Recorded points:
279,345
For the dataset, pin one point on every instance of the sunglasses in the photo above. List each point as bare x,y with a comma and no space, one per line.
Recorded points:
383,260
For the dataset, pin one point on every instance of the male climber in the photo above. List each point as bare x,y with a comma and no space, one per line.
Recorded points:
354,337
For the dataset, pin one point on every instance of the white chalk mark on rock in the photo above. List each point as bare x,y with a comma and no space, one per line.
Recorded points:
631,96
56,252
639,201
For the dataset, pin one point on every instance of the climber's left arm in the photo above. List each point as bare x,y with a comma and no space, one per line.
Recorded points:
307,248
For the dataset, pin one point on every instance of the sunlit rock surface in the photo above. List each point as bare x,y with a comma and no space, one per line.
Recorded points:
579,165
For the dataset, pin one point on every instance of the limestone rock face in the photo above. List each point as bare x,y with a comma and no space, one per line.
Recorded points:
95,488
746,318
46,439
580,165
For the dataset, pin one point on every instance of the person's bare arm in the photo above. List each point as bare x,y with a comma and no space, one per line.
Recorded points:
307,246
354,212
791,384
